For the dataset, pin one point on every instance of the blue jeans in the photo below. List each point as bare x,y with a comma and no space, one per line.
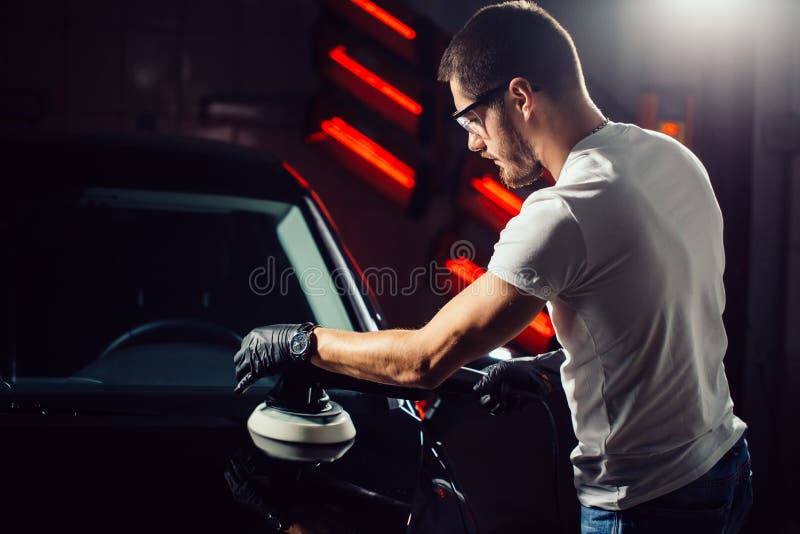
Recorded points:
717,502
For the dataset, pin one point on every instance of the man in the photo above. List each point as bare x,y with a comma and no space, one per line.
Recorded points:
626,251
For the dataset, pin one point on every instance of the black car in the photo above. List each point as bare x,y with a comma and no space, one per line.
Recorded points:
133,266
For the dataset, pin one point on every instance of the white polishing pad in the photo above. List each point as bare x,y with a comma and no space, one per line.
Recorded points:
301,452
298,428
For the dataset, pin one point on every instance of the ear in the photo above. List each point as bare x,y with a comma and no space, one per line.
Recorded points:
523,96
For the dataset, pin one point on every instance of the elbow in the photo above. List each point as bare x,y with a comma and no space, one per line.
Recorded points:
421,374
428,374
433,359
432,380
429,377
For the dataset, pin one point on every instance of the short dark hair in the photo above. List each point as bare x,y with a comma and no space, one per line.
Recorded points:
510,39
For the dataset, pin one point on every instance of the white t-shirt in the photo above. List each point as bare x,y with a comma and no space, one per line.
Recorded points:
627,250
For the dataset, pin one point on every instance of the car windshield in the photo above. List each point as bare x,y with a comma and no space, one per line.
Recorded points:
128,287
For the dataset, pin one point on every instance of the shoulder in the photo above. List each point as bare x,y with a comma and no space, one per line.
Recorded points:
544,211
541,250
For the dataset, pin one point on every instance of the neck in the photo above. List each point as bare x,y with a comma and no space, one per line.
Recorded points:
563,127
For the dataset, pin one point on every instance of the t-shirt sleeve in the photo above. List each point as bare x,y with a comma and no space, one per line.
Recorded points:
540,251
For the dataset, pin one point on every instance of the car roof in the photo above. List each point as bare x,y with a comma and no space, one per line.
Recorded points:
146,161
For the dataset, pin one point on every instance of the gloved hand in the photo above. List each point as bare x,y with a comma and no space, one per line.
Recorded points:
512,384
264,351
279,492
248,489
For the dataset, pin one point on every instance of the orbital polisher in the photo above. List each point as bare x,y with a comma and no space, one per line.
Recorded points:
299,411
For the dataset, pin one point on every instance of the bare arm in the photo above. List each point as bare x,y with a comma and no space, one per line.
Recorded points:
486,314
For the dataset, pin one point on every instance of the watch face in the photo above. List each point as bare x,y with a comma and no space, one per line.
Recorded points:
299,343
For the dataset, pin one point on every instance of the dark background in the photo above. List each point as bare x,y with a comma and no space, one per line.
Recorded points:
150,65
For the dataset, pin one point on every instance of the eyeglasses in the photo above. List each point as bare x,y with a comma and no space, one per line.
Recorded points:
469,120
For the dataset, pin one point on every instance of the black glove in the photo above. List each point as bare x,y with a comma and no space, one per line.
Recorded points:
253,490
512,384
264,351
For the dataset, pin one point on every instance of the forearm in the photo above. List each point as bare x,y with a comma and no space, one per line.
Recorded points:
395,357
483,316
421,358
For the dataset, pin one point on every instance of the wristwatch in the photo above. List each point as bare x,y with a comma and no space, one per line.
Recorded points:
302,343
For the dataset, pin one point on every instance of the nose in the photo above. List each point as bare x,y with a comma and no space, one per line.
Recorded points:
475,143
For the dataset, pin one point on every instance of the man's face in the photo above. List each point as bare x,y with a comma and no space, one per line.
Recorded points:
499,139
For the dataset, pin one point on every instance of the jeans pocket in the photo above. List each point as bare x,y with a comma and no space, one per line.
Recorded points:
598,521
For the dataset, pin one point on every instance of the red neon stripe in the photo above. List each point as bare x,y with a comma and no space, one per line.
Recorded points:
499,196
469,272
464,269
370,151
294,173
385,17
339,55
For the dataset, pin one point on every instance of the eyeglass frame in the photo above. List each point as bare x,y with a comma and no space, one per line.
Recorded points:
483,98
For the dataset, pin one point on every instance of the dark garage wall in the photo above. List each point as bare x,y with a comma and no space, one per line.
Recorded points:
105,63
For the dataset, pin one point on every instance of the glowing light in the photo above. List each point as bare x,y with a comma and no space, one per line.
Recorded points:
675,11
497,194
500,353
543,325
464,269
387,18
670,128
420,406
369,150
339,55
469,272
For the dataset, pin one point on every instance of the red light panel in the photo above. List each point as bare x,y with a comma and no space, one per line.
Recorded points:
469,272
497,194
386,18
339,55
370,151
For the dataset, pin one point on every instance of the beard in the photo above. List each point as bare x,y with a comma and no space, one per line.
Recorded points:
520,167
